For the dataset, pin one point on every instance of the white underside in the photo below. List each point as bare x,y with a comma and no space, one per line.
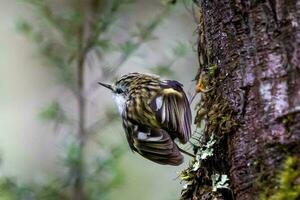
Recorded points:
120,102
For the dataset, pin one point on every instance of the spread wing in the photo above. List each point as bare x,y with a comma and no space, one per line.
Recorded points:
158,146
153,144
172,110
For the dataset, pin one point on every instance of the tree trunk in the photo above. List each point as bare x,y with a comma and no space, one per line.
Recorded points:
249,60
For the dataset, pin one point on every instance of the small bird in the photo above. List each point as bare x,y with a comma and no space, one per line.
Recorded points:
154,113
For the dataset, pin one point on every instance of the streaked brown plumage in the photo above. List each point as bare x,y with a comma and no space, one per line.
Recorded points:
154,113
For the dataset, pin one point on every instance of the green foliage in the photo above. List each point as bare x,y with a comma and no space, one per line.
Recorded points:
181,49
103,174
10,190
289,185
57,36
145,31
73,156
52,112
128,48
26,28
61,41
104,44
23,26
106,171
163,70
51,191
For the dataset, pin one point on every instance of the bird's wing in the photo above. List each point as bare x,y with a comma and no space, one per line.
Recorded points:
153,144
172,110
129,131
157,146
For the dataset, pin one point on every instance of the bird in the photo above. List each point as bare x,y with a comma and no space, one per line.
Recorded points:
154,113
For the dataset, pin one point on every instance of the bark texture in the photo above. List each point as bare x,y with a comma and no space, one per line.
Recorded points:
249,56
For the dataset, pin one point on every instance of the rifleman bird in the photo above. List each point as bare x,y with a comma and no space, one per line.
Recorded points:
154,113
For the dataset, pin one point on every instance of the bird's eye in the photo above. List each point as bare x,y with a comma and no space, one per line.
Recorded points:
119,91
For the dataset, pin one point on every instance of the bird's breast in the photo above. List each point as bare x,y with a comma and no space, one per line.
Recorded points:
120,102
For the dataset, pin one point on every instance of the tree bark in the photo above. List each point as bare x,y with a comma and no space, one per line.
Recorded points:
249,59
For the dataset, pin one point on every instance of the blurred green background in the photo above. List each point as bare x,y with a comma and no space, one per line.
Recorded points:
41,155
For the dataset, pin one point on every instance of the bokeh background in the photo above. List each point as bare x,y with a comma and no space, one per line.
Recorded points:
38,118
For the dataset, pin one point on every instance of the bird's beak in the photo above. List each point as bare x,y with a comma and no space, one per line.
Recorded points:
107,86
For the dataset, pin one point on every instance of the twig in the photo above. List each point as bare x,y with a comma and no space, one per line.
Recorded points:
185,152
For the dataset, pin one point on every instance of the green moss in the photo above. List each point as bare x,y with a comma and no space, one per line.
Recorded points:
210,146
212,70
288,120
288,182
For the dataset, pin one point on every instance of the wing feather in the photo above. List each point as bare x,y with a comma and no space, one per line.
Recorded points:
175,113
163,151
129,130
156,146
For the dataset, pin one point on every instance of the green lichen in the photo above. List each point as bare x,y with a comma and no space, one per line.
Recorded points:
288,186
219,182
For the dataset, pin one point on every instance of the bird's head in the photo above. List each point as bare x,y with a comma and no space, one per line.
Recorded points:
125,85
121,86
117,89
130,82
